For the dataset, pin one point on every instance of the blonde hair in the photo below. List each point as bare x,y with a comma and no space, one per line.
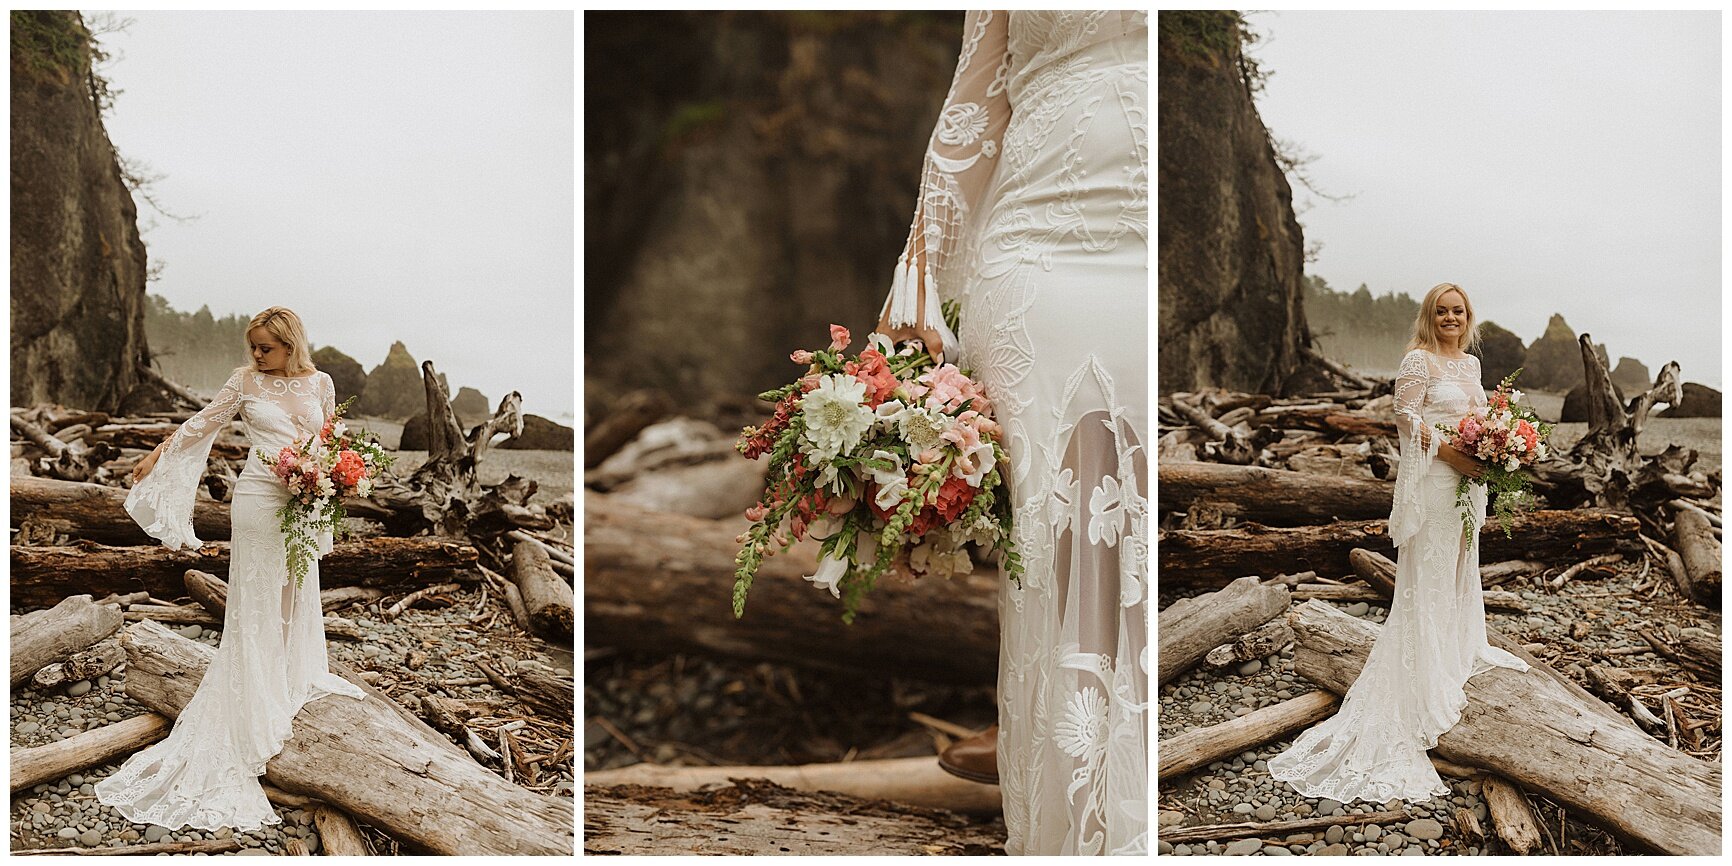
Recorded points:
282,323
1425,334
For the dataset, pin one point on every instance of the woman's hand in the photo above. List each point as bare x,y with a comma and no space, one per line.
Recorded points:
1463,462
148,463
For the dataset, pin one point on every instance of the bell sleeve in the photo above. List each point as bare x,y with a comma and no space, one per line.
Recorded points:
1418,447
960,161
328,395
162,501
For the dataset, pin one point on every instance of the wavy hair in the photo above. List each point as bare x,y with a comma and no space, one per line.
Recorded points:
282,323
1425,334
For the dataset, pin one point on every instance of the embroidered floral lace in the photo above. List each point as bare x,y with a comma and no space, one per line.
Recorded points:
1034,215
1411,689
272,657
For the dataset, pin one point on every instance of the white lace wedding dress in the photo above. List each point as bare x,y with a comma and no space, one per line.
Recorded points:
1034,215
1411,688
272,657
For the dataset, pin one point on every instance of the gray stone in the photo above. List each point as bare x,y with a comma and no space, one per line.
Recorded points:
192,631
1276,851
1333,834
1165,847
68,833
1202,707
1425,828
1242,808
1413,852
29,728
1263,813
155,832
1358,608
1395,840
1241,847
1373,833
1251,667
1327,807
1170,819
78,689
90,838
1335,850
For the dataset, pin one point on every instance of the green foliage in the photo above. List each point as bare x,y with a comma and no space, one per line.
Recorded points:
197,349
50,42
1357,328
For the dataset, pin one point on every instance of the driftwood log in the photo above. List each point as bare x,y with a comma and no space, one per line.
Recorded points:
43,637
1215,557
1277,829
1191,627
1531,728
546,597
1264,639
913,781
360,756
757,817
338,835
621,424
44,575
68,461
1183,753
34,765
1700,551
104,656
662,582
1271,496
96,511
1511,814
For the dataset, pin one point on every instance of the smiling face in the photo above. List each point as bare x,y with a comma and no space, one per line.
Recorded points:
269,354
1450,319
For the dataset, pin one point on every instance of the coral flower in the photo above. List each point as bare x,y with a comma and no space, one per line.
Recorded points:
839,338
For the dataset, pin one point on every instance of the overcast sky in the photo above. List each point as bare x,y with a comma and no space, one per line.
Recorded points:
389,176
1563,162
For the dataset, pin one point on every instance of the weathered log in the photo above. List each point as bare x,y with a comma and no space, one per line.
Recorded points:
338,835
1503,572
1602,564
171,387
757,817
173,614
1335,421
1232,448
1213,557
86,665
96,511
1272,496
1540,734
343,596
626,418
1183,753
1492,598
547,598
68,461
660,582
44,575
914,781
148,849
1701,554
34,765
360,756
1511,815
1375,569
549,693
1275,829
1613,684
420,595
1190,627
1264,639
42,637
1339,370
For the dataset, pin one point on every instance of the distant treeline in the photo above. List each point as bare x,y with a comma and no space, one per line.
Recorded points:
197,350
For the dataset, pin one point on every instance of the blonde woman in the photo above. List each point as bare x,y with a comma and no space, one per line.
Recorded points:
272,656
1411,689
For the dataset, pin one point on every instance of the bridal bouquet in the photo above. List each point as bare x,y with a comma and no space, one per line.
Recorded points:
1506,437
319,471
892,460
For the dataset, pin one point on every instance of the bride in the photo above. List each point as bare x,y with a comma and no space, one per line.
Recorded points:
1033,215
1411,689
272,656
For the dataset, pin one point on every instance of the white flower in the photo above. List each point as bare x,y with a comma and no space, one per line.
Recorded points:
836,415
922,428
1512,464
830,573
326,488
892,482
1084,727
981,456
364,487
1106,512
880,342
1515,395
338,430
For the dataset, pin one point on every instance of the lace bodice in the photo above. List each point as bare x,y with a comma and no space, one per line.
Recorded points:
277,411
1431,389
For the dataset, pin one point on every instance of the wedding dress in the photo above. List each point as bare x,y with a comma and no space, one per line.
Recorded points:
1411,688
272,657
1034,215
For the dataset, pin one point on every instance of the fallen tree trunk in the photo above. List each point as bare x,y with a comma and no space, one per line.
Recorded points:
43,575
1378,572
547,599
361,757
96,511
756,817
1185,752
338,835
1190,627
914,781
1276,497
1700,551
1214,557
1511,815
661,582
1255,644
1530,728
41,638
1245,830
1339,422
101,658
34,765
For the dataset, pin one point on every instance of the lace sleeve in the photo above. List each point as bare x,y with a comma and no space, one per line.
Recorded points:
960,159
161,503
327,395
1418,446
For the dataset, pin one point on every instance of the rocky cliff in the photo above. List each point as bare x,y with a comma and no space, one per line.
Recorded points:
1231,251
749,179
78,265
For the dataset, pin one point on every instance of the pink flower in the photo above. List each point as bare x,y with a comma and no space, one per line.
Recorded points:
964,434
801,356
873,370
756,513
839,338
949,389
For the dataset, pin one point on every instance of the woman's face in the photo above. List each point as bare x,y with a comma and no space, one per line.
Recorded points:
1449,318
269,354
